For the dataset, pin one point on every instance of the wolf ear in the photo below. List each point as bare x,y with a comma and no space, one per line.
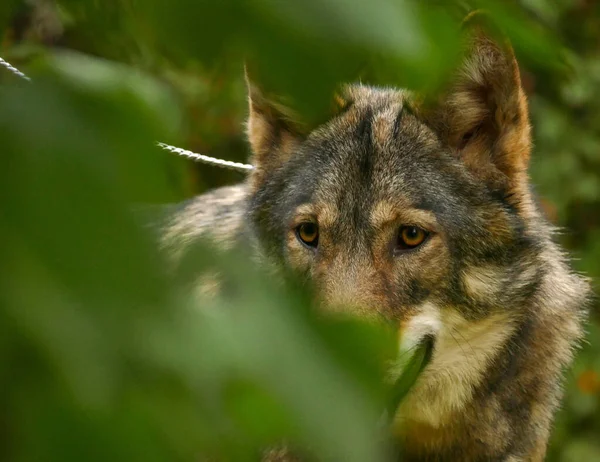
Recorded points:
272,134
483,116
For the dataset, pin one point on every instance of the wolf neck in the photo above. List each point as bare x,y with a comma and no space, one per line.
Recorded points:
494,384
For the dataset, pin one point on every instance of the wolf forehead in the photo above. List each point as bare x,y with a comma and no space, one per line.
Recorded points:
364,151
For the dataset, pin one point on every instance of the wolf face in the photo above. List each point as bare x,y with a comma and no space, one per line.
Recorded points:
390,207
395,218
422,215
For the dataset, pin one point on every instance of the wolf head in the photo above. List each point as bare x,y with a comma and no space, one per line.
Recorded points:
393,205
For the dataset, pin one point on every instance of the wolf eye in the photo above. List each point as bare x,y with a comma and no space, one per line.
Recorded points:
410,237
308,234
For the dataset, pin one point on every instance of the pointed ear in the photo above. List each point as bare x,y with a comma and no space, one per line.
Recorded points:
483,116
271,130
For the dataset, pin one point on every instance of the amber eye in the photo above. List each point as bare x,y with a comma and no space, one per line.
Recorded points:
308,234
411,237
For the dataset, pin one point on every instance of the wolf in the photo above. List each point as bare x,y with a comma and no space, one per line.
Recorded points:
422,214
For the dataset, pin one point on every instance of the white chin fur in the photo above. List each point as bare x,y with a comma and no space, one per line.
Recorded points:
426,323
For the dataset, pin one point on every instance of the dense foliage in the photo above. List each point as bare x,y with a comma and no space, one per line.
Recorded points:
103,355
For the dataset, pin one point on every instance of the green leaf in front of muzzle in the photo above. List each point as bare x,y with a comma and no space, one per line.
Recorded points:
409,375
